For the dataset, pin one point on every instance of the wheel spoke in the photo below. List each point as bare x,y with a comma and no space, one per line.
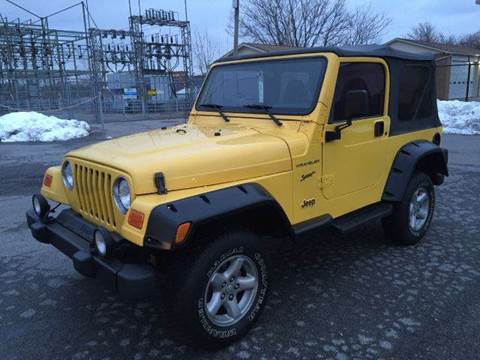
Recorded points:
246,282
422,198
413,220
215,303
217,280
234,268
422,213
233,310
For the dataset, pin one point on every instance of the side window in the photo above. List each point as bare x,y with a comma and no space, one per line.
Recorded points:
354,77
414,101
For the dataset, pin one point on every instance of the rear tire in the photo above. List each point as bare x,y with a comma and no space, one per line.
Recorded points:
411,217
222,289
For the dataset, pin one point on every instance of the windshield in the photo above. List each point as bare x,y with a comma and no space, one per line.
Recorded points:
289,87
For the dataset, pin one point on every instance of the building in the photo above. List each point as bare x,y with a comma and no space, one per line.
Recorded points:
458,68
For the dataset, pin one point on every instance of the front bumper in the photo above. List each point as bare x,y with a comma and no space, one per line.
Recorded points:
73,236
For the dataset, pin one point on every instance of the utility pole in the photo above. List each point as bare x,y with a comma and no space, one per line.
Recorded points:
236,7
467,94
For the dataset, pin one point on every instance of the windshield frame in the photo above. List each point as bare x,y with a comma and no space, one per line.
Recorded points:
308,111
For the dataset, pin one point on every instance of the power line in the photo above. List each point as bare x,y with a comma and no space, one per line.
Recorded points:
65,9
24,9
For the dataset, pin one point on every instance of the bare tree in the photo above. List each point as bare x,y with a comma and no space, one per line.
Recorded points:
366,26
425,32
306,23
299,23
205,51
470,40
448,39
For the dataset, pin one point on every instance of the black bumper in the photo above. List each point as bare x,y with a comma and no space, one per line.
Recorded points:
72,235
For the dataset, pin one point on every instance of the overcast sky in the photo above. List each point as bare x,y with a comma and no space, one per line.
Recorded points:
450,16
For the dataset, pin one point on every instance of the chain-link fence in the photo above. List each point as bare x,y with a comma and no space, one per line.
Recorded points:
77,99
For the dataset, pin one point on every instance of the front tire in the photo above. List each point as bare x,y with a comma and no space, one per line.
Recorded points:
412,216
222,292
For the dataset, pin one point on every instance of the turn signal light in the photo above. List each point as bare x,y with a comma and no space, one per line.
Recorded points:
136,218
182,232
47,181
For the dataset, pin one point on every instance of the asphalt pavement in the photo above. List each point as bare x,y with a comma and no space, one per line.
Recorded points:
334,297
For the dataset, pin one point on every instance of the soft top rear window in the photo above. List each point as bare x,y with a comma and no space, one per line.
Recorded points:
414,95
289,87
413,104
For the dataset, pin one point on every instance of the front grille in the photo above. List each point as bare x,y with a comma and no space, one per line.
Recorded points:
93,188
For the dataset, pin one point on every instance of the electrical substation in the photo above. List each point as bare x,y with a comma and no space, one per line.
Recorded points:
93,73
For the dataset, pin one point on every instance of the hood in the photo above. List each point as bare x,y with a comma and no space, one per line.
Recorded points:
191,156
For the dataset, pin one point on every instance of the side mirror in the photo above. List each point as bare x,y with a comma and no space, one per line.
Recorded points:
357,104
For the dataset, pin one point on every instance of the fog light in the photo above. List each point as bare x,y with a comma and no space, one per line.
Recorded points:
40,206
103,242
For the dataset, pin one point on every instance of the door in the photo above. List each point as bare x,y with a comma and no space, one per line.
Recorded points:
356,161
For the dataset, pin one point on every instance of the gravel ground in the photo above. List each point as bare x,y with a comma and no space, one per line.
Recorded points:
334,297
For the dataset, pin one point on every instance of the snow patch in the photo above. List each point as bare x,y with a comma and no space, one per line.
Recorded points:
460,117
33,126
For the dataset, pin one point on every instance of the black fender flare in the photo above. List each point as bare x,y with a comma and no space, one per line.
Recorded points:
417,155
227,203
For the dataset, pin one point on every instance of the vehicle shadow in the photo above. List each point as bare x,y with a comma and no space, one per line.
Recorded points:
320,260
94,321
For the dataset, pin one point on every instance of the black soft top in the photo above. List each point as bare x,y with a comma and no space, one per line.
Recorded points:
413,104
382,51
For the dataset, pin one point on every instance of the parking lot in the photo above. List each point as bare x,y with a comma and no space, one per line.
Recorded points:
338,297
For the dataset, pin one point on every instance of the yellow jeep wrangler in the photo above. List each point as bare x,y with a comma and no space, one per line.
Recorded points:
277,145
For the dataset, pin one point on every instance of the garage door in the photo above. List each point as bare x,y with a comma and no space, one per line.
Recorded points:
459,80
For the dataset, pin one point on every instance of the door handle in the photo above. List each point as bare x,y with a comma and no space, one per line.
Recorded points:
379,128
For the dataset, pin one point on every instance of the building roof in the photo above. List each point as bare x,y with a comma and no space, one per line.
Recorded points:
441,48
261,48
383,51
268,47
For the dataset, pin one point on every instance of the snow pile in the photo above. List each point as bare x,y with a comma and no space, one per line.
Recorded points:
459,117
33,126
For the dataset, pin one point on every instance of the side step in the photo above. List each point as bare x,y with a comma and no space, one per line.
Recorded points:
349,222
311,225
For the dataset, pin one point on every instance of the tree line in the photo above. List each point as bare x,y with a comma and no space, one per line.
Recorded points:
297,23
429,33
308,23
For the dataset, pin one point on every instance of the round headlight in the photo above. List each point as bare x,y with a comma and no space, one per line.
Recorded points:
67,175
121,195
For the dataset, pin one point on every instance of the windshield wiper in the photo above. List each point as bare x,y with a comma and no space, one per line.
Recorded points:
219,110
266,109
